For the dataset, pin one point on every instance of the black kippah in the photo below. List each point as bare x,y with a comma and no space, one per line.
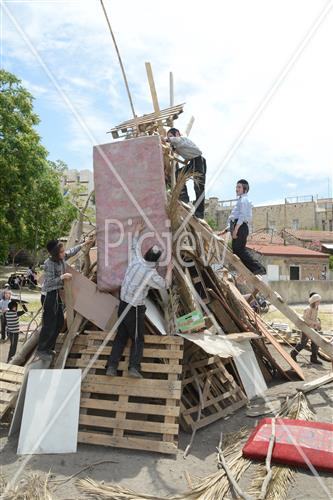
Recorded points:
51,245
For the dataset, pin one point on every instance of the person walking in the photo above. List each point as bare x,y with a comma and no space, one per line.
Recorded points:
310,316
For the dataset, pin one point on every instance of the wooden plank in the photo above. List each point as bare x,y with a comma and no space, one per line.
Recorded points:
11,377
7,386
132,390
127,442
69,302
318,382
128,424
216,416
144,408
6,396
154,97
11,368
149,339
145,367
68,341
147,353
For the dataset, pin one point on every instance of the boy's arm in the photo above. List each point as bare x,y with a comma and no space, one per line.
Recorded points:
72,251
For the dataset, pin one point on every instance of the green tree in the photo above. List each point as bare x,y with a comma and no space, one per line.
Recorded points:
32,208
212,222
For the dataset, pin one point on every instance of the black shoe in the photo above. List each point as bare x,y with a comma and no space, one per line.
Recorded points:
293,354
134,373
111,371
316,361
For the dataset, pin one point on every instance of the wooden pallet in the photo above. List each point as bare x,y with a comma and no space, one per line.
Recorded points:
207,385
11,378
124,412
147,123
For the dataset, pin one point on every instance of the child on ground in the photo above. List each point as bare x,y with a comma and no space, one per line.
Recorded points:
238,225
54,277
4,301
310,316
13,326
140,276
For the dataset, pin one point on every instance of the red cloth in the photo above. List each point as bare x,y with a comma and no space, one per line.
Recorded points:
297,442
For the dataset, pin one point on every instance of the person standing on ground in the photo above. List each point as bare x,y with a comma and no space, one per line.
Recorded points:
310,316
238,225
186,148
140,276
54,277
13,326
5,299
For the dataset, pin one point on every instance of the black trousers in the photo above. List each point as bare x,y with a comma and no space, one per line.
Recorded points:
302,344
132,326
239,248
13,337
3,326
53,320
197,164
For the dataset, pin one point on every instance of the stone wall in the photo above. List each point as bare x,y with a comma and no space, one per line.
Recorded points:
297,292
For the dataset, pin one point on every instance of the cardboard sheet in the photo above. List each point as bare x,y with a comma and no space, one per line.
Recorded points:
51,412
92,304
129,176
217,345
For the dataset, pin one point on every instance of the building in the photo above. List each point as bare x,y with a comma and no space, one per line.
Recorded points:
299,213
290,262
80,182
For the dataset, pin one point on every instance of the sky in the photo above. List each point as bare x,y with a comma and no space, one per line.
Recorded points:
257,77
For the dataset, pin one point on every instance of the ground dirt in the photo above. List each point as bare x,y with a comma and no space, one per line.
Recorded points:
156,474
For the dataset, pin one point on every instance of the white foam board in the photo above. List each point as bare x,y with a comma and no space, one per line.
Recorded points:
51,412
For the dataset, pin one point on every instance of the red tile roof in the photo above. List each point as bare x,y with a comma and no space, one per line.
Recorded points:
288,250
308,235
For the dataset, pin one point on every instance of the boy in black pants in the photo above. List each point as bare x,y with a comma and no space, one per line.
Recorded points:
140,276
196,163
13,326
238,221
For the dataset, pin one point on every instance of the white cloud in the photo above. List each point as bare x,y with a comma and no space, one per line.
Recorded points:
224,56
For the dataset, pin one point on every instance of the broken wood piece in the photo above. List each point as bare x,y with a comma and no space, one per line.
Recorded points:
268,477
318,382
69,302
223,464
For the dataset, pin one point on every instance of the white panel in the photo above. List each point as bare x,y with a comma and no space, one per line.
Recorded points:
249,371
273,272
51,412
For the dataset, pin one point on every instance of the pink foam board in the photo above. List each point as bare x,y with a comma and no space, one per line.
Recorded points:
129,177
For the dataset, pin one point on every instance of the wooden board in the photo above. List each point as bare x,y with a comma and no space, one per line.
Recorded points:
11,378
123,412
219,395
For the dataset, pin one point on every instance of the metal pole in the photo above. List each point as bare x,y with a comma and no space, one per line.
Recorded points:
119,58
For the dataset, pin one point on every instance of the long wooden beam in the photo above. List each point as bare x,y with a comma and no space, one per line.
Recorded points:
256,282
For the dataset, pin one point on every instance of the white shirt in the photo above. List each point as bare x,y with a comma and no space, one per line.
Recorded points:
185,147
242,211
139,277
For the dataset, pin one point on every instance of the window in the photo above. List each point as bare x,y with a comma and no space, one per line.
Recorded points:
295,224
294,273
323,223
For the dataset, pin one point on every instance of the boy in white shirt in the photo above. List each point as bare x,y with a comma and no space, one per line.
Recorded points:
238,225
